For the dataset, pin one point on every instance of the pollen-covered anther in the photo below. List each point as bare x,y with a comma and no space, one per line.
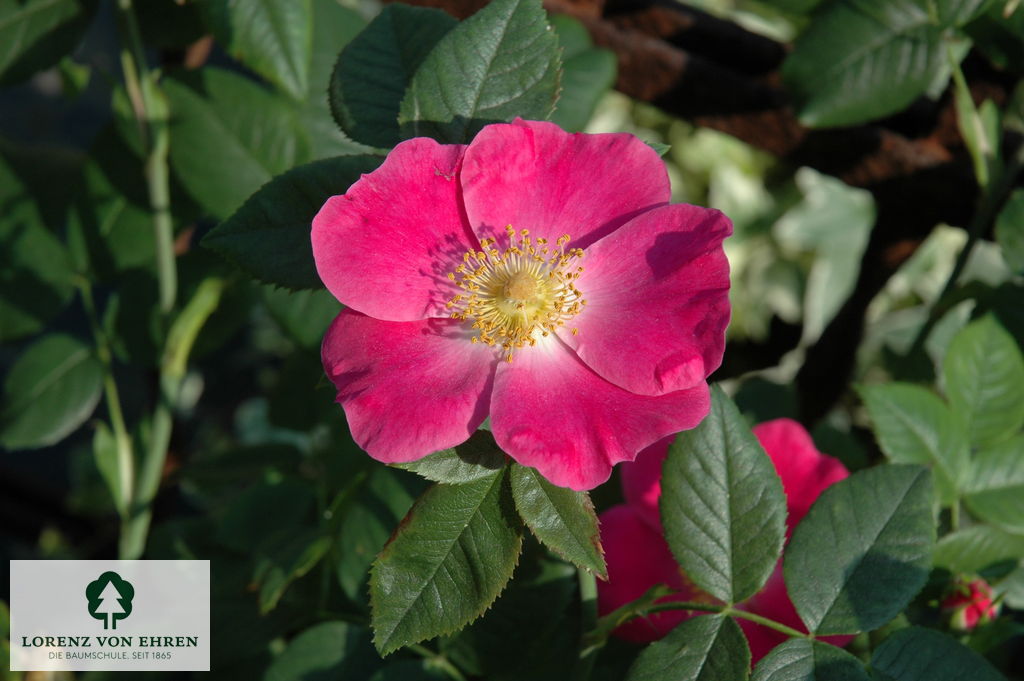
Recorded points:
517,295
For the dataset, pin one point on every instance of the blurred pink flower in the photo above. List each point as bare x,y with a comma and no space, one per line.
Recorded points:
533,276
638,557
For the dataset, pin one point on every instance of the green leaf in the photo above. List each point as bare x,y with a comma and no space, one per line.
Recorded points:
722,504
303,315
329,650
531,631
800,659
863,551
110,228
104,451
35,280
409,670
374,70
704,648
997,487
588,73
247,525
984,380
35,34
448,561
231,136
976,547
919,654
1010,231
959,12
272,37
334,26
863,59
562,519
914,426
268,236
51,389
366,526
291,555
500,63
475,459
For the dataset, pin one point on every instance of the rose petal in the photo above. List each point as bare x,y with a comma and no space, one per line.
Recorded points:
535,176
657,292
805,471
638,559
641,482
551,412
408,388
385,247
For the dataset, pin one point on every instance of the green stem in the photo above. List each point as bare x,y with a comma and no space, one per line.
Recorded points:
438,660
588,617
151,115
180,339
725,610
112,398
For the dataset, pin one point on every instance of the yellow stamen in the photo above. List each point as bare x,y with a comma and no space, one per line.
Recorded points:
519,294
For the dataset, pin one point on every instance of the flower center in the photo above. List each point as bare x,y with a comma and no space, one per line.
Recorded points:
518,295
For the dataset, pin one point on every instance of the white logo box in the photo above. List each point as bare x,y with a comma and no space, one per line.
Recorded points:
152,615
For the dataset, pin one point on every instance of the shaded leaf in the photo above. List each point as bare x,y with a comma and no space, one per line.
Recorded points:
51,389
292,554
803,660
500,63
272,37
374,70
329,650
863,550
303,315
450,558
1010,231
722,504
334,25
231,136
919,654
35,34
914,426
703,648
475,459
373,515
531,631
35,280
562,519
268,236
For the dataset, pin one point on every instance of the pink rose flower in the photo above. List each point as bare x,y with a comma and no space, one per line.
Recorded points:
638,557
969,604
533,276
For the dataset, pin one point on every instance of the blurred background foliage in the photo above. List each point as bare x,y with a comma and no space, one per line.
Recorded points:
213,380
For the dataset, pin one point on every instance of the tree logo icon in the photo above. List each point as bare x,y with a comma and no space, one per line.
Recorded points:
110,598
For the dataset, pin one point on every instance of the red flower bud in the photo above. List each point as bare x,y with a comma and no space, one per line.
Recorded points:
970,604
